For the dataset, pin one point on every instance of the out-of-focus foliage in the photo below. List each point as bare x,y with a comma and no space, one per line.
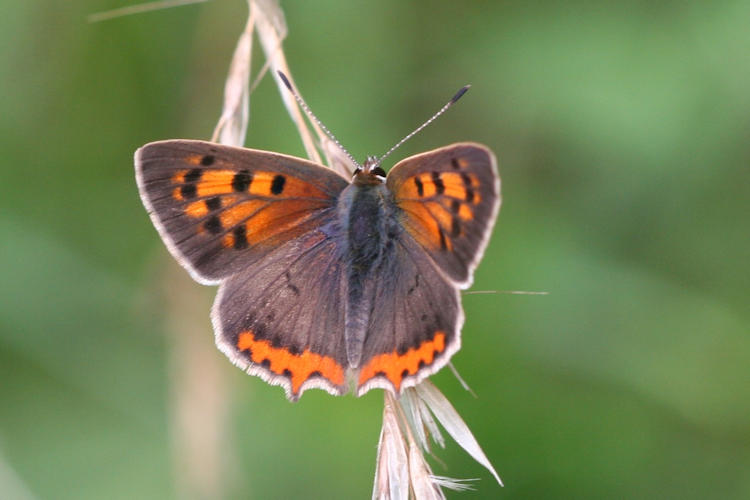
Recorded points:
621,129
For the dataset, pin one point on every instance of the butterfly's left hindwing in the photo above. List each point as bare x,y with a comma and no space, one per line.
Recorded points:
220,208
282,317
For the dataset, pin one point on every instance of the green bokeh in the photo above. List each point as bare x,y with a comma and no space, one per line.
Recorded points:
621,129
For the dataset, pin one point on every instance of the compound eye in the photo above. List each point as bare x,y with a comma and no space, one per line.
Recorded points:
378,171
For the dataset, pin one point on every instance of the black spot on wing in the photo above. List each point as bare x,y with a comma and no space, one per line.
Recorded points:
420,186
213,203
291,285
240,237
455,227
188,190
194,175
242,180
293,350
414,286
213,225
277,185
439,186
467,184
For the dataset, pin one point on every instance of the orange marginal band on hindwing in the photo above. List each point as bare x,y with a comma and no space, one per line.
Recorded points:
298,367
395,367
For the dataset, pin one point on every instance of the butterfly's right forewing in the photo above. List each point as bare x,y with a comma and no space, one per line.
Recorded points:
449,199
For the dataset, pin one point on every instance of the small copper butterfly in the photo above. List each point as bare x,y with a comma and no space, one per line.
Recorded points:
326,282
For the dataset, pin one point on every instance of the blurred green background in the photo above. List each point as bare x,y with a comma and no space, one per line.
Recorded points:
621,129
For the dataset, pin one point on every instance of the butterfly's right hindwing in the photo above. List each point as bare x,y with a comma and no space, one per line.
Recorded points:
415,324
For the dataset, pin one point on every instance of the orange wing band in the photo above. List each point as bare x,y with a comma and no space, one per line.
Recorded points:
298,367
395,366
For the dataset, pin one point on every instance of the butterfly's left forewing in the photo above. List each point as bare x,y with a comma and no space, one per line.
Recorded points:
220,208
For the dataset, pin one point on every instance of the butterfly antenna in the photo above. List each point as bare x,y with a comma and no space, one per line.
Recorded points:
442,110
314,118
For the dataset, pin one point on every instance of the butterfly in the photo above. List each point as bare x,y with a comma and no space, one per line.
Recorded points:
326,282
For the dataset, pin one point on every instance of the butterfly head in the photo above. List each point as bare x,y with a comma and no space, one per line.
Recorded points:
370,174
